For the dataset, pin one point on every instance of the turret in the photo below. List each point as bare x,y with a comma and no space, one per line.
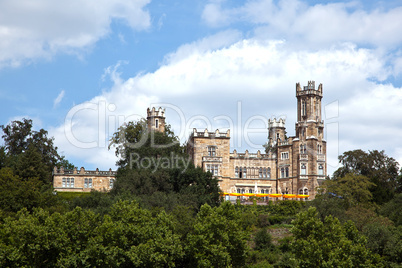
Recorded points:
276,131
156,119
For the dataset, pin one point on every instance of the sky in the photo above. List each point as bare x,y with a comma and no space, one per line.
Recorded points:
80,69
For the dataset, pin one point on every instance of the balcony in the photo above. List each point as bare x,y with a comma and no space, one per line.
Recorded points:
303,157
212,159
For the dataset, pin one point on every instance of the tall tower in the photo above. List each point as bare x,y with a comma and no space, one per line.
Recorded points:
309,138
156,119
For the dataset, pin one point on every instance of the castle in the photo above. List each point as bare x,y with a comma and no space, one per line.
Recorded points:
290,166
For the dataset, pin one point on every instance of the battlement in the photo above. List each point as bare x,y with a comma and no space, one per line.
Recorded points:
156,113
247,155
211,135
83,172
275,124
309,89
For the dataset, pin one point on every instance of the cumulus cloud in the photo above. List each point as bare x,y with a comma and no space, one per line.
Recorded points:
317,25
38,29
227,86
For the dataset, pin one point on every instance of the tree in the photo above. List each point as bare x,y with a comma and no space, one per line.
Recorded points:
128,237
329,243
30,153
353,188
153,164
381,169
217,239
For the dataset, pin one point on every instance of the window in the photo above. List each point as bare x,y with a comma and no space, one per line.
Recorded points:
285,155
250,191
213,169
268,172
305,191
303,169
68,182
286,172
282,172
260,173
244,172
87,183
111,183
277,136
303,149
320,169
156,123
239,191
319,148
211,150
301,191
303,132
304,109
236,172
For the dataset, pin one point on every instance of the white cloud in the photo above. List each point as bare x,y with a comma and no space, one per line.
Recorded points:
36,29
206,83
58,99
317,25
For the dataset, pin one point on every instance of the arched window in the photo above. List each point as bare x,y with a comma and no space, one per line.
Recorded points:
301,191
303,169
250,191
320,169
305,191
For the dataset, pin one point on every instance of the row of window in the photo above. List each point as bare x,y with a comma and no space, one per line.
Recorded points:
303,169
241,172
69,183
251,191
303,150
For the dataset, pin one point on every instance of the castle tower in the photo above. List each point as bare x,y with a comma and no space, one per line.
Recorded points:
276,131
156,119
310,146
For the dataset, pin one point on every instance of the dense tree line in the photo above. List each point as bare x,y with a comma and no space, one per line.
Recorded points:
169,214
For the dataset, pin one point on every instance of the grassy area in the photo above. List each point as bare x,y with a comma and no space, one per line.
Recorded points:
72,195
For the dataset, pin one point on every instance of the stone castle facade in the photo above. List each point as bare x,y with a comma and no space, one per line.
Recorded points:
290,166
293,165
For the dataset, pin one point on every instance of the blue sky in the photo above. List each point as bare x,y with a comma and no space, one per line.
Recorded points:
80,69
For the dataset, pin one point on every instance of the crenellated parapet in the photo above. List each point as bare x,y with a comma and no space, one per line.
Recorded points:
160,112
309,89
273,123
211,135
83,172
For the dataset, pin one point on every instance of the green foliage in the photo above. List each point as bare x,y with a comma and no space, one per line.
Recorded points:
392,209
385,241
155,168
354,189
128,237
17,193
382,170
328,243
31,154
263,239
217,239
